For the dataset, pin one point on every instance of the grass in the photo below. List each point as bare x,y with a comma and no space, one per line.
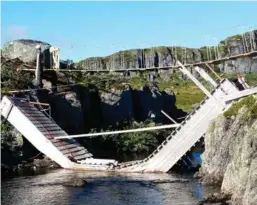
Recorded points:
207,54
235,37
251,78
187,93
187,96
137,82
249,102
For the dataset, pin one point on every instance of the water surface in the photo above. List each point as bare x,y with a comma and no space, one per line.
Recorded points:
104,188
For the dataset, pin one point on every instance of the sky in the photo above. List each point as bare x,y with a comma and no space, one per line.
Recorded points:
87,29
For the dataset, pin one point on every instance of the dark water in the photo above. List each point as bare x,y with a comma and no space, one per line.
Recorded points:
103,189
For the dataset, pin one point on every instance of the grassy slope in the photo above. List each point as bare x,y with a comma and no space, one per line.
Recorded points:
187,93
250,102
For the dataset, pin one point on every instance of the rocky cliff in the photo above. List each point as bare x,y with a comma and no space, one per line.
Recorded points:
163,56
151,57
230,157
90,107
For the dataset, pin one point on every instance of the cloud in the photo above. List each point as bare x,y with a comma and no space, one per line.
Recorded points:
16,32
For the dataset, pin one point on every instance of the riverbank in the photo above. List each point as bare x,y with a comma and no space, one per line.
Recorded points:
35,166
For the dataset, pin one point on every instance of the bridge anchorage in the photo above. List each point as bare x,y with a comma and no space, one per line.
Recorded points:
40,129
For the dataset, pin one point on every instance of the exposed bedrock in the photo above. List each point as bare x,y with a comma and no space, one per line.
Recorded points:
25,50
164,56
230,157
84,108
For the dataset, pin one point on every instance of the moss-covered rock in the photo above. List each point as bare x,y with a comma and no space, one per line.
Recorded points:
229,159
249,102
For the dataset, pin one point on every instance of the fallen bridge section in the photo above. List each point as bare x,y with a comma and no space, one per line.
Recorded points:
41,131
191,129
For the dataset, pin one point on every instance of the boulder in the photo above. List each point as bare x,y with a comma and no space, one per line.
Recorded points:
76,182
44,163
24,49
216,199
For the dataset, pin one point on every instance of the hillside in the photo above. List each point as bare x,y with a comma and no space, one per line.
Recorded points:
163,56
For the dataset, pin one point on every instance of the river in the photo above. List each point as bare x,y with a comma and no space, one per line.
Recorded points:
104,188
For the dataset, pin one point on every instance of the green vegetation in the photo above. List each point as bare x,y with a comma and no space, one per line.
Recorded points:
137,141
5,125
207,53
235,37
249,102
11,79
137,82
130,143
250,78
187,93
161,49
223,48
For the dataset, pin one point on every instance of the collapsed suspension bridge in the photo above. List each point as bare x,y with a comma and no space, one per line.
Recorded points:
40,129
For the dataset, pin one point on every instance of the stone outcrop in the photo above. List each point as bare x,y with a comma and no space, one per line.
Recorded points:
18,156
117,106
25,50
230,157
236,45
84,108
76,182
67,111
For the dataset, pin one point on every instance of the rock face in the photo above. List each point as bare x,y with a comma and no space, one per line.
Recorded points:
24,49
82,109
237,45
149,102
18,156
45,162
164,56
117,106
230,156
67,111
11,144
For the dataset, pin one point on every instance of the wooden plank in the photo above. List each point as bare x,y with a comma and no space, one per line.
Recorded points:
206,76
38,103
240,94
208,66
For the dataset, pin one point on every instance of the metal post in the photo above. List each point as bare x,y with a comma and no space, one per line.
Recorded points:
185,62
38,79
207,53
244,47
252,38
169,117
